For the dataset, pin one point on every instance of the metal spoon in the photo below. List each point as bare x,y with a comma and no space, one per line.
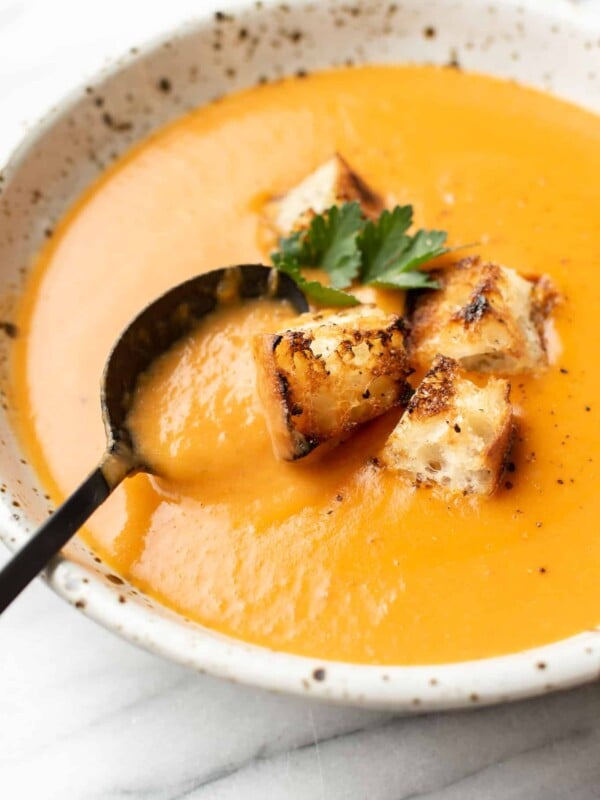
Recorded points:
151,334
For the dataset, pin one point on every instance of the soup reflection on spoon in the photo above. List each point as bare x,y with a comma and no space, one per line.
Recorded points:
151,334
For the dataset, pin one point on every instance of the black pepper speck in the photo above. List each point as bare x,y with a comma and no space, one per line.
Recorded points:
116,125
9,328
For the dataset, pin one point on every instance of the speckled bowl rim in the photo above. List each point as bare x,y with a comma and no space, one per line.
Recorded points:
560,665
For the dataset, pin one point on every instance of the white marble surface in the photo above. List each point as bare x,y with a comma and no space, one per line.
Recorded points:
86,716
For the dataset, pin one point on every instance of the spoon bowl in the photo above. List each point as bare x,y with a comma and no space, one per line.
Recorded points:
150,334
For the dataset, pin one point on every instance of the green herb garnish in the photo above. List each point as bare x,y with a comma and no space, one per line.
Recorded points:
350,248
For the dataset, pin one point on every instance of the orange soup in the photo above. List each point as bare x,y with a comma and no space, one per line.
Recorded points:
331,558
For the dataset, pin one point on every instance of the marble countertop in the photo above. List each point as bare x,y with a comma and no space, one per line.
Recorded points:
86,716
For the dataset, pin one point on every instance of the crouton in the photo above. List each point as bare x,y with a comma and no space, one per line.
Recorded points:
329,373
333,183
486,316
453,433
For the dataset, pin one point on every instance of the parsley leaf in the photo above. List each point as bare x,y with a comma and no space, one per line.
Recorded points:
406,281
332,238
329,242
323,295
391,258
381,241
349,247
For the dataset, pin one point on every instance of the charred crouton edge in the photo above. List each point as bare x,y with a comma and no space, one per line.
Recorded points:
453,433
486,316
329,373
332,183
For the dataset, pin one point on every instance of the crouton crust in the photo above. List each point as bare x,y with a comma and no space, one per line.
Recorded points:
453,433
332,183
436,393
352,187
328,374
486,316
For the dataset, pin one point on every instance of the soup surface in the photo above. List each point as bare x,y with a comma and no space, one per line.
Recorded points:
333,559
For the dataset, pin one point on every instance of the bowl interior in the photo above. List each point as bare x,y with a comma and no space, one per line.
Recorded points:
552,48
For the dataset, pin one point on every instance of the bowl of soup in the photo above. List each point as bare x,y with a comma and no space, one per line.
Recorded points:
327,578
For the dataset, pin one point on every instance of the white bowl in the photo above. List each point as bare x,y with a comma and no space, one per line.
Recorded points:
553,46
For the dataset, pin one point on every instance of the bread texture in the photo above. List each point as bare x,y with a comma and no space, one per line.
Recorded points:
332,183
486,316
329,373
453,433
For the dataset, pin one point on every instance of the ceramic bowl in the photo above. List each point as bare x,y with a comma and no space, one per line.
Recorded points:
552,46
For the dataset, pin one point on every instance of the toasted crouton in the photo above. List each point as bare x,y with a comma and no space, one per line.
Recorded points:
486,316
453,433
333,183
329,373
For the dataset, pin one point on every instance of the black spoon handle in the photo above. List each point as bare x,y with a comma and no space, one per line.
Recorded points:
56,531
